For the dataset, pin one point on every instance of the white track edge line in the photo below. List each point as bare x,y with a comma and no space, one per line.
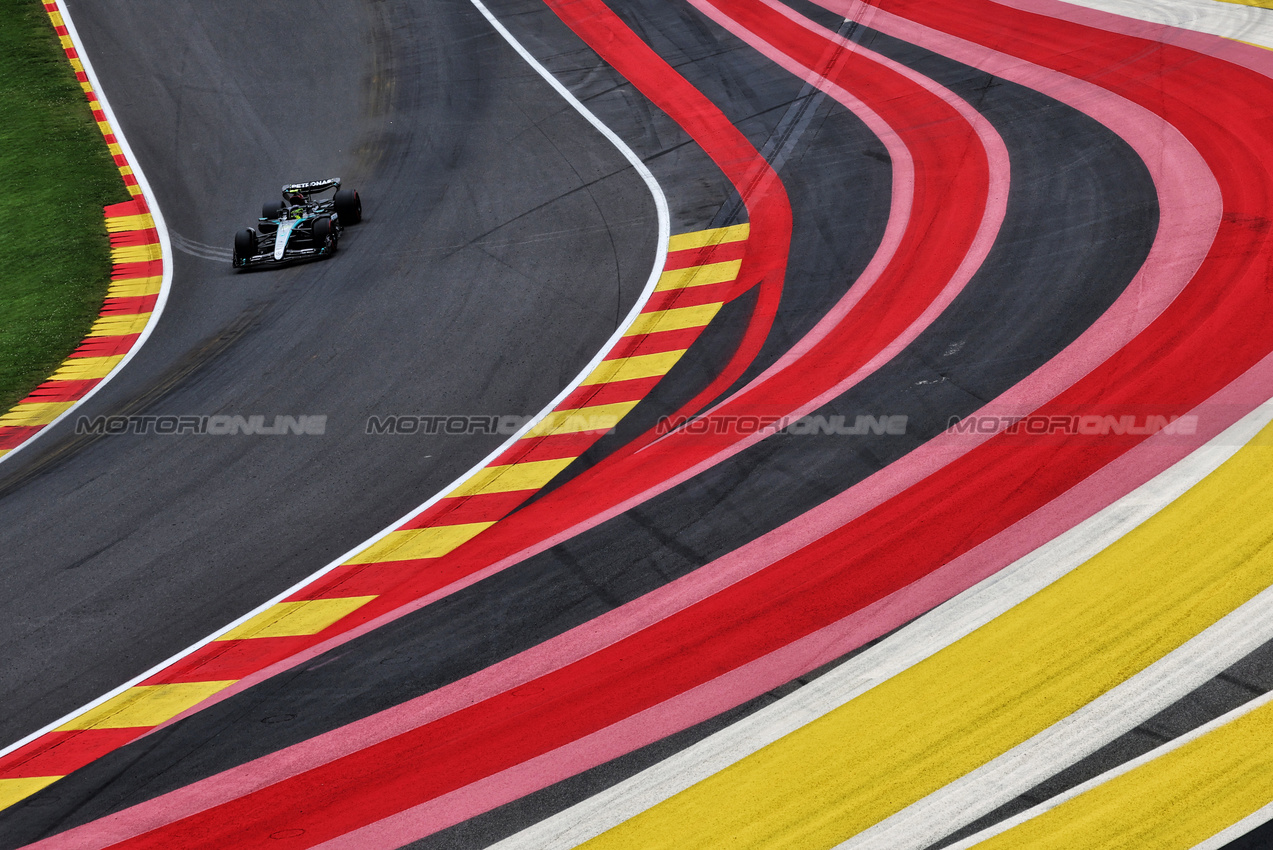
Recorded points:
161,228
660,258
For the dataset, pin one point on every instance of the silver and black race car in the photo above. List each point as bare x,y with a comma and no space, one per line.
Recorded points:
300,227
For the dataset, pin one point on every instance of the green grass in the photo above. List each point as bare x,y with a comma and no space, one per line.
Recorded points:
57,176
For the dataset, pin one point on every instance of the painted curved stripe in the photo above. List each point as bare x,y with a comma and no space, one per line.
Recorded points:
1114,713
992,216
1190,207
140,278
1158,586
928,634
823,63
992,219
1180,246
1242,22
78,747
903,191
1213,777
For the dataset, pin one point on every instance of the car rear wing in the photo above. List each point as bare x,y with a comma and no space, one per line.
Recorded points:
312,188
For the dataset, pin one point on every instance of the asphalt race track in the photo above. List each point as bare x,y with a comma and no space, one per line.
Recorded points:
923,501
452,297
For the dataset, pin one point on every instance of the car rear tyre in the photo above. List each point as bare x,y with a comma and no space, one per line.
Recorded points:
348,206
244,246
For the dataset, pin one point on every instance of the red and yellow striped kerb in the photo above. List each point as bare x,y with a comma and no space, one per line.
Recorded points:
135,282
698,278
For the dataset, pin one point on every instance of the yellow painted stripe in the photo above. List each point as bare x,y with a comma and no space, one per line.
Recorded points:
65,41
86,368
134,190
129,323
699,275
600,417
56,17
35,413
121,223
292,619
104,126
631,368
703,238
530,475
135,253
1259,4
4,452
412,543
1144,596
114,148
145,705
77,65
135,286
1175,801
674,319
15,790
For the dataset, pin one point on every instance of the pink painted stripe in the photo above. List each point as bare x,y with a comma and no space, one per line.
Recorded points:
992,219
700,703
1189,213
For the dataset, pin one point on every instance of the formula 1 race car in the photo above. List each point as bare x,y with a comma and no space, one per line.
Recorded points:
300,227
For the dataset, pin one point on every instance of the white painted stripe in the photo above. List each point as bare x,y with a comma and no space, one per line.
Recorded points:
660,257
1228,20
1177,743
160,227
1110,715
1256,819
908,646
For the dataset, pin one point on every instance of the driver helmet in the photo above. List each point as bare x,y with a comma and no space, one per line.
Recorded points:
294,197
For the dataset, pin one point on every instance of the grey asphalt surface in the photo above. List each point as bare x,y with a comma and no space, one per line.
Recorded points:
503,238
1081,216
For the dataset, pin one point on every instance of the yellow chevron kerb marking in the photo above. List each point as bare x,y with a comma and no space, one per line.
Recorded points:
145,705
707,238
632,368
125,223
527,475
15,790
135,286
409,544
601,417
35,413
294,619
86,368
704,275
136,253
675,319
121,325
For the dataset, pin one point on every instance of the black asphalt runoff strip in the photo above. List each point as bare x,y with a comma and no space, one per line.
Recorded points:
1081,217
